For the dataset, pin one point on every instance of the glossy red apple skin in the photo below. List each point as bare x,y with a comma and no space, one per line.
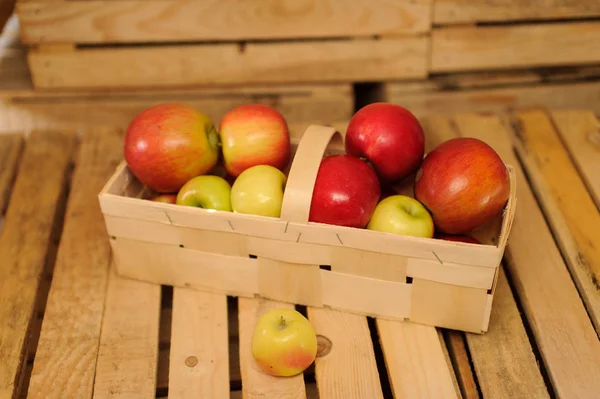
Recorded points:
457,238
254,134
165,198
463,183
346,192
389,136
168,144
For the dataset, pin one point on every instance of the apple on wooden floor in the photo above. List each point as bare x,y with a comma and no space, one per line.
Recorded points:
168,144
401,214
206,191
284,342
259,190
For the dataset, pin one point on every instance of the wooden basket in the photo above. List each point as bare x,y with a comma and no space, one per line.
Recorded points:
427,281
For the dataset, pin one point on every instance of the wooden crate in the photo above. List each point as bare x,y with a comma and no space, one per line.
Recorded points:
101,43
77,330
288,259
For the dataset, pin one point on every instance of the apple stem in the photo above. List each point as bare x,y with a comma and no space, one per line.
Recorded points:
282,323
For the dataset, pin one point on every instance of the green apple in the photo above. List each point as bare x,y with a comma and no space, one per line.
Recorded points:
401,214
258,190
206,191
284,342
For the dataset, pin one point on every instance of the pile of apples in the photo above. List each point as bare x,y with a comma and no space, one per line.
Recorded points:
241,167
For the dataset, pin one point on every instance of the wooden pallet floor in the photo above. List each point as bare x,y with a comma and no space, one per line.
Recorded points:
72,329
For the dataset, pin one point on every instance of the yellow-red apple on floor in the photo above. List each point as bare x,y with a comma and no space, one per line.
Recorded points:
254,134
284,343
401,214
206,191
258,190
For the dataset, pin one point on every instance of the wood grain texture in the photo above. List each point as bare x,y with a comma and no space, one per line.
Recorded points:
580,132
255,383
505,47
349,370
557,96
128,351
228,64
572,212
457,348
65,361
27,234
563,332
503,357
130,21
415,361
463,11
199,356
11,146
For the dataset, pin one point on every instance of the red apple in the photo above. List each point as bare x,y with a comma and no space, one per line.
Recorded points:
456,238
168,144
389,136
166,198
463,183
346,192
254,134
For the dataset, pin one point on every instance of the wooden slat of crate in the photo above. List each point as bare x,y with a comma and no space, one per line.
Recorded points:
580,132
550,300
130,21
66,357
28,231
10,151
463,11
582,95
199,358
573,214
504,47
230,64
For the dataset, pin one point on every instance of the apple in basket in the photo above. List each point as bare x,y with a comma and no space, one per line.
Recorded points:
401,214
254,134
389,136
259,190
457,238
168,144
345,193
284,342
165,198
206,191
463,183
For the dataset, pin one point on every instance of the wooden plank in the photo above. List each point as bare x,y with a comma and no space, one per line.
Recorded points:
229,64
455,341
65,361
464,11
326,103
505,47
572,212
256,383
199,358
580,132
584,95
503,357
349,369
415,360
10,152
130,21
128,352
28,229
562,330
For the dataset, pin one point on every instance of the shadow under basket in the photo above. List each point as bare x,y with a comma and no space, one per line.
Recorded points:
423,280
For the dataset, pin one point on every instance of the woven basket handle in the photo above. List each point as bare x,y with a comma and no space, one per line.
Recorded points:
303,173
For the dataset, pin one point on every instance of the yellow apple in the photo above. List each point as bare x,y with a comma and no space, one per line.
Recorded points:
206,191
401,214
258,190
284,343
